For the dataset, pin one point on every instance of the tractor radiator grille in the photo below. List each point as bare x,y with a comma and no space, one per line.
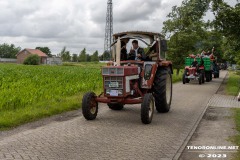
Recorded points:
113,82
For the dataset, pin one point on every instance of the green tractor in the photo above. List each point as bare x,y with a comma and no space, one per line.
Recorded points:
211,68
215,68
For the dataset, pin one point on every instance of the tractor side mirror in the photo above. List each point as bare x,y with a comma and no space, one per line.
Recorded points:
163,45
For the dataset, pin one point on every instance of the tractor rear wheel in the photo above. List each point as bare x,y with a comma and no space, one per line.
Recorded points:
115,106
200,78
203,77
183,78
163,89
89,106
147,108
207,74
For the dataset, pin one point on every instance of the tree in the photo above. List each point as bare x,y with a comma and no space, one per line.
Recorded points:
105,56
45,50
227,22
83,56
65,55
186,29
75,58
88,58
8,51
94,57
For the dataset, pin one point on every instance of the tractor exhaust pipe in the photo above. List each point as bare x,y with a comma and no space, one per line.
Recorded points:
118,52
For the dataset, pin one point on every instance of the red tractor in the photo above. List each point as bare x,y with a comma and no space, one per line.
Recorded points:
147,82
194,70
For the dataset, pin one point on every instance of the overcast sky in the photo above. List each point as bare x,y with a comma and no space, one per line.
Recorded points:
76,23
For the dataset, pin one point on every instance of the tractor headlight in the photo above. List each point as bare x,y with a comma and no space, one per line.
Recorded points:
107,91
120,92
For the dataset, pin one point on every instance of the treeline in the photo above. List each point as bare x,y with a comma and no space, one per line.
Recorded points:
83,56
10,51
188,31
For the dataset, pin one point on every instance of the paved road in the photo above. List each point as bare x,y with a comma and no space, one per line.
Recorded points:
116,134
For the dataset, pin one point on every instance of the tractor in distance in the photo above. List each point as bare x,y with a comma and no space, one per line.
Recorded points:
215,67
147,81
194,70
211,68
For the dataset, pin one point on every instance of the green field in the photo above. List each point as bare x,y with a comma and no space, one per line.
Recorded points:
28,93
31,92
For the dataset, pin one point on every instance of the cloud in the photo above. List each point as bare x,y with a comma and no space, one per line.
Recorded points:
75,23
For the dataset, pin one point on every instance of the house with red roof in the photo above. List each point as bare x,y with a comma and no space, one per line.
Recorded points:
22,55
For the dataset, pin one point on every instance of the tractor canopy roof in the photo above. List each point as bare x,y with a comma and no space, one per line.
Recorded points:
140,35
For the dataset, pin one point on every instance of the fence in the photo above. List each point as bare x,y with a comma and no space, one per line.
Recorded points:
8,60
54,61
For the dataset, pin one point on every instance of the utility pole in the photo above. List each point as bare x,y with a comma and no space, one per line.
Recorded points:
108,29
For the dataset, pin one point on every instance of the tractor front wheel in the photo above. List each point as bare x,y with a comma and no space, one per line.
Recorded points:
147,108
184,80
89,106
163,89
115,106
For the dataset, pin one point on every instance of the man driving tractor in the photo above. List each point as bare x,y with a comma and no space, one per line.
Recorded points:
136,53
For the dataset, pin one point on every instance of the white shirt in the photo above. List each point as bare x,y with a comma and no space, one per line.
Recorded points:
136,53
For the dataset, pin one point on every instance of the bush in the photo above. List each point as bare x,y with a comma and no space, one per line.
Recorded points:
32,60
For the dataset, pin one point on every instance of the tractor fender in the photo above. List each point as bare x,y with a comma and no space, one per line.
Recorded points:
166,64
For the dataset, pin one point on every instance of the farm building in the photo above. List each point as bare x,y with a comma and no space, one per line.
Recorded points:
54,60
22,55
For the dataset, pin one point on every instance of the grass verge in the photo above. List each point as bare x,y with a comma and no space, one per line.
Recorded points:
233,84
232,88
175,77
13,118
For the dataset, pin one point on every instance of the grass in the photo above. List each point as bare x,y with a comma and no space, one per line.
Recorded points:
175,77
12,118
28,93
232,88
233,84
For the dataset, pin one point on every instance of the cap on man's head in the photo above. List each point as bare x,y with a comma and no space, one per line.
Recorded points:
135,41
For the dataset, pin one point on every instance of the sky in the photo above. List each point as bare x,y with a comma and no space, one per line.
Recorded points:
76,24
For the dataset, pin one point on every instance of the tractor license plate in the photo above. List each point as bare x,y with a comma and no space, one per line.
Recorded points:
114,93
113,85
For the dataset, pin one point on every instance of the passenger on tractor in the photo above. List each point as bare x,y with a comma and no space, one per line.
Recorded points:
203,53
136,53
123,51
195,64
152,53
